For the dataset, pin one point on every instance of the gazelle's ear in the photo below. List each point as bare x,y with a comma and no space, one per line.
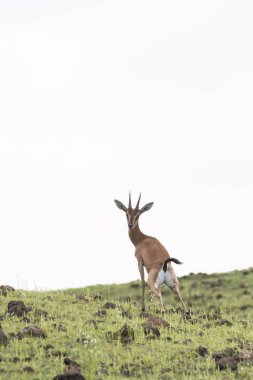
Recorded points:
120,205
146,207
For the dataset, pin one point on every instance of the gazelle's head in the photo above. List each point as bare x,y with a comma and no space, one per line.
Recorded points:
133,214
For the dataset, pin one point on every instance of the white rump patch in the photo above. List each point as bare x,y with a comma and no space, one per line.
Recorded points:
164,278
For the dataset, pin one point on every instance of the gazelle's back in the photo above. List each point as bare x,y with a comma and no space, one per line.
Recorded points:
152,253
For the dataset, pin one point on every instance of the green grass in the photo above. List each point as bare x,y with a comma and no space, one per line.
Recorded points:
75,331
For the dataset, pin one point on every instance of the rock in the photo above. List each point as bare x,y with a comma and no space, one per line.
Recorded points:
28,369
72,372
98,297
25,319
33,331
83,297
244,356
5,289
41,313
202,351
101,313
187,315
48,347
110,305
127,334
153,330
124,371
157,321
15,359
224,322
225,359
152,325
127,314
69,376
93,322
18,308
145,314
3,337
226,362
151,337
125,299
72,364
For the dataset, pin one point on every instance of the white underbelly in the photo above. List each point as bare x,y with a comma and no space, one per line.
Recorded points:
165,278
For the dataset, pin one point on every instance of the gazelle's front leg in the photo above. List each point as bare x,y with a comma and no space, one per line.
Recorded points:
141,270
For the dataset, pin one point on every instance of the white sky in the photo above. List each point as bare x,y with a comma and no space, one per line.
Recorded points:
101,97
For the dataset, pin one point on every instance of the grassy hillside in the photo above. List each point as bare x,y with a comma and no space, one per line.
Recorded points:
99,332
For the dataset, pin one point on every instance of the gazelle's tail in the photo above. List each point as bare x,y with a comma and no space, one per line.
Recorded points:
176,261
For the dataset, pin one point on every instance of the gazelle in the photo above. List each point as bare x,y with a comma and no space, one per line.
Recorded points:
151,254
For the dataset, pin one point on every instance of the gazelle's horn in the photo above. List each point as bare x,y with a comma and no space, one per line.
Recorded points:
129,203
138,203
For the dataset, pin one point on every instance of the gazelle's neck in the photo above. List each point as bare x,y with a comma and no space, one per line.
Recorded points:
135,235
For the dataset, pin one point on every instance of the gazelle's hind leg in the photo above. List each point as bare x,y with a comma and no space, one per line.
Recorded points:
176,291
152,276
172,282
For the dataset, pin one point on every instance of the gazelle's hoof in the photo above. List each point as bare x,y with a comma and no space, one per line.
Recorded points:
187,315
